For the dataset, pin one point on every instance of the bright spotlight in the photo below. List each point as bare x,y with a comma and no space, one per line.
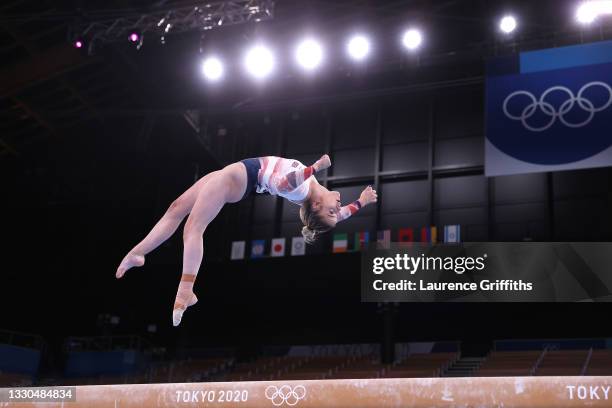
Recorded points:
212,68
358,47
309,54
134,37
589,11
507,24
585,15
412,39
78,44
259,61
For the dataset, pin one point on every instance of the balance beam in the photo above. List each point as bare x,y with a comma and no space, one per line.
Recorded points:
544,392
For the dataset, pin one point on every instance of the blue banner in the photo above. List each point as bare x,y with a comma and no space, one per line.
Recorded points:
15,359
92,363
549,110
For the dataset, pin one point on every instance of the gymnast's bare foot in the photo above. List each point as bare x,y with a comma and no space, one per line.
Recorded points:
130,260
177,313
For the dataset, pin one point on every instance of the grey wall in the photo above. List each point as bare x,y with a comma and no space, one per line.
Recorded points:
424,153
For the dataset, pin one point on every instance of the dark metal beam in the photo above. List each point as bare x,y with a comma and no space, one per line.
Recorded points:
78,96
106,27
33,49
436,172
255,105
328,145
33,114
42,66
491,208
143,96
550,204
378,161
431,160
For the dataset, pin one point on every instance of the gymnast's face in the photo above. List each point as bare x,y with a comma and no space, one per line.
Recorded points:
329,207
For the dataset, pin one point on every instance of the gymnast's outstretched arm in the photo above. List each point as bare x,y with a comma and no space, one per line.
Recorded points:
368,196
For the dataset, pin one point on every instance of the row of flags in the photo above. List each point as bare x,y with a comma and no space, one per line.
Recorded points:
452,234
277,248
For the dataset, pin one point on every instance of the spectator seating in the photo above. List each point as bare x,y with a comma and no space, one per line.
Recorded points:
421,365
509,363
14,380
600,363
562,362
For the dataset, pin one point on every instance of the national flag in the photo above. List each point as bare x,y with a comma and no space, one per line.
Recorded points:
383,238
298,246
340,243
257,248
278,247
452,233
429,234
405,235
361,240
237,250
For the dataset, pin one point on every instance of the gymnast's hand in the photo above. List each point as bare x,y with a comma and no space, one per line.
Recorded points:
368,196
323,163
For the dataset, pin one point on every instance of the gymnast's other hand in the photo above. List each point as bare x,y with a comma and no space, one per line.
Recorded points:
323,163
368,196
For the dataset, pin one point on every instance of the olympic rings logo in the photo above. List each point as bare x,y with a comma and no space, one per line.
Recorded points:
285,394
549,110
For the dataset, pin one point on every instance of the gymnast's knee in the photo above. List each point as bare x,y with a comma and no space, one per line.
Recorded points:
177,208
192,230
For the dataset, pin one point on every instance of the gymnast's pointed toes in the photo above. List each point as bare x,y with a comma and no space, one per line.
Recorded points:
177,316
131,260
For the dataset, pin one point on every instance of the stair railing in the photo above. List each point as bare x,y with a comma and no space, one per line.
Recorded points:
536,365
587,361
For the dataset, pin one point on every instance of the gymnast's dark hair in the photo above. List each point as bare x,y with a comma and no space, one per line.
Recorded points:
313,223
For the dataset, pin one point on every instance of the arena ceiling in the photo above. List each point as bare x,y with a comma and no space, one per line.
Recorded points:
47,86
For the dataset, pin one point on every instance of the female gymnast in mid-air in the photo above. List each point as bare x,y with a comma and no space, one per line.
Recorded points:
320,211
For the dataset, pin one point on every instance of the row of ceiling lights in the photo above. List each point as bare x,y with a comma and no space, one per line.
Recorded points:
259,60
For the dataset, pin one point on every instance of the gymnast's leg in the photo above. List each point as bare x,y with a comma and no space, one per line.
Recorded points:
165,227
211,198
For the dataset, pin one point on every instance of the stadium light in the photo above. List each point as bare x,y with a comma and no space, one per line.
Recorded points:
589,11
309,54
507,24
212,68
412,39
259,61
358,47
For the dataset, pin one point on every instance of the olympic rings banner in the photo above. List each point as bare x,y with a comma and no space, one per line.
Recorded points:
549,110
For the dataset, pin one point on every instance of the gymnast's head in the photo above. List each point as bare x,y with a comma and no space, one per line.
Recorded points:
319,213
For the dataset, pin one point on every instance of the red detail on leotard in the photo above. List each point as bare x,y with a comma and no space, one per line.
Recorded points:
348,210
286,178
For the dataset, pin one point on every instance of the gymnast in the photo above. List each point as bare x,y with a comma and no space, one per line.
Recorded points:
320,211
